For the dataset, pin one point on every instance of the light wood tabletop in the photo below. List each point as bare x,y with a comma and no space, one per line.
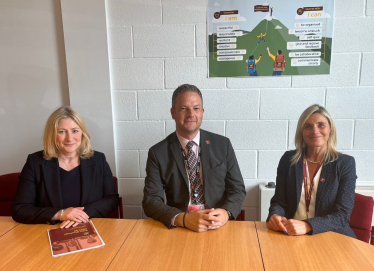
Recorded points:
151,246
6,224
324,251
26,247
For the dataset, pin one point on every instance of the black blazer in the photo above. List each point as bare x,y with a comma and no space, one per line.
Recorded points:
38,197
166,175
335,196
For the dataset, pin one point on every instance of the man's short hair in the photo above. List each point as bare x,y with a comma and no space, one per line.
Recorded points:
185,88
280,52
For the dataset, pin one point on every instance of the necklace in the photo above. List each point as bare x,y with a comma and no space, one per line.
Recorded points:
314,162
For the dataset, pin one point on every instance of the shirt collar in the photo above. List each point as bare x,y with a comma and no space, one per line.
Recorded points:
183,141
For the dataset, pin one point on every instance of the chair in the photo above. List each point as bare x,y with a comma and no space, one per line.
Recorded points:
118,213
8,188
241,216
361,217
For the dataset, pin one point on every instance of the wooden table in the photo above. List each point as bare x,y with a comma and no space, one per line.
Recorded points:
26,247
6,224
151,246
324,251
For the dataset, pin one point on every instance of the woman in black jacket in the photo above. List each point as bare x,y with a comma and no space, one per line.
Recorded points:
315,185
68,181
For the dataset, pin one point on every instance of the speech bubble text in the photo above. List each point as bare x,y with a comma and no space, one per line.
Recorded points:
308,24
232,52
229,58
304,54
310,37
306,62
227,27
230,34
225,40
300,45
226,46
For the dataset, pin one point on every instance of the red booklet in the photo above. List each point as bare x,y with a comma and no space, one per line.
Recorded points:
71,240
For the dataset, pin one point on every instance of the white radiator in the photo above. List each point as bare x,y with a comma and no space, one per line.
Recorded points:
265,194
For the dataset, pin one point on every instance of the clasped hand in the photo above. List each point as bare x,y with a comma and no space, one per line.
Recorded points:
203,220
291,226
72,217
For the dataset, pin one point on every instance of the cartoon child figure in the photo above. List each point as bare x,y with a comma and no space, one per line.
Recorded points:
251,65
261,38
279,62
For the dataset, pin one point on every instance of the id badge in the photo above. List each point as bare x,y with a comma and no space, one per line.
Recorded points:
194,208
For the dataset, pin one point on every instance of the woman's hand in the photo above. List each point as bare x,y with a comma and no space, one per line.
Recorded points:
75,214
276,223
297,227
68,223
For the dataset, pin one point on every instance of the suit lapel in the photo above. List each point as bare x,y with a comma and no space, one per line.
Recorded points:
322,185
175,148
88,179
205,152
52,181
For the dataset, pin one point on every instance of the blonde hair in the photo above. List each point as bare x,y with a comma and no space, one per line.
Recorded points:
50,133
332,152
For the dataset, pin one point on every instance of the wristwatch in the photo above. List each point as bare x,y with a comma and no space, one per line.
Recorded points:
230,215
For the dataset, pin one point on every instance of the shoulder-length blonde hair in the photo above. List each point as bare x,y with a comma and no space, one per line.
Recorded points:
332,152
50,133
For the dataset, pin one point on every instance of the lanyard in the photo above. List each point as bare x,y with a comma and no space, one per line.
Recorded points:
186,161
308,193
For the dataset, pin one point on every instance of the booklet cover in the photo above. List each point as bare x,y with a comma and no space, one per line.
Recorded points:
71,240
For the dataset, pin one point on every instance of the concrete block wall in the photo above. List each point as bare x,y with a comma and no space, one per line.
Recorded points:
156,45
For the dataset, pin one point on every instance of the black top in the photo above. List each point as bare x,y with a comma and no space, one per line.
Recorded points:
71,187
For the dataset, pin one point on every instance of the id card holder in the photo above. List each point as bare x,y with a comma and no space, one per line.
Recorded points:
194,208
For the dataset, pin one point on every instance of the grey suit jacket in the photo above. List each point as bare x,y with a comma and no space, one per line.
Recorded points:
38,197
335,195
166,175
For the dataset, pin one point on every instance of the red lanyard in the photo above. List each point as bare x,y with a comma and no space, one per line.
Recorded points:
308,193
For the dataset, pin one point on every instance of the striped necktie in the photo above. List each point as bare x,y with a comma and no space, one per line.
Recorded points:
197,194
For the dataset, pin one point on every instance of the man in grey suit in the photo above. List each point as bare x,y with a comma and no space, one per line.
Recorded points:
196,170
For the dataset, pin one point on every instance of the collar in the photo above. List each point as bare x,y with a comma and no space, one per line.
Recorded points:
183,141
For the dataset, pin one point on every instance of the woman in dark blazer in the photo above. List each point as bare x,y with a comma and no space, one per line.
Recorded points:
68,181
315,185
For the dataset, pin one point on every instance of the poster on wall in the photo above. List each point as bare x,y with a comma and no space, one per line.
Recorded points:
253,38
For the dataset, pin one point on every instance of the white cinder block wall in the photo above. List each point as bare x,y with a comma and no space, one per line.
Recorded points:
156,45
